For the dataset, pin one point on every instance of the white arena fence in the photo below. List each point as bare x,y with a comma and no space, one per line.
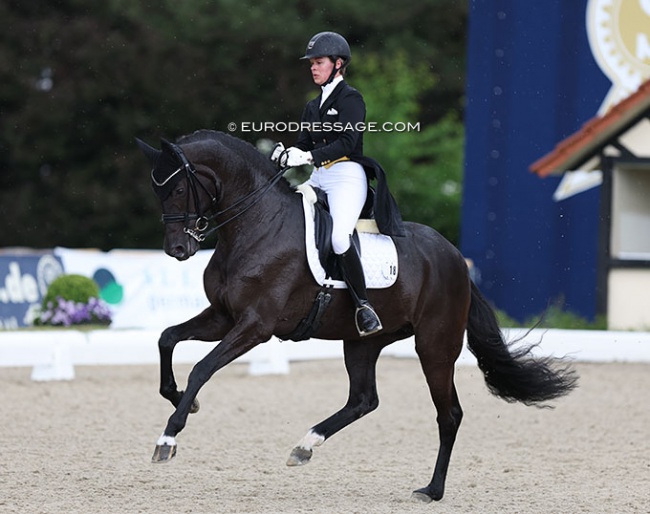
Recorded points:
155,291
53,354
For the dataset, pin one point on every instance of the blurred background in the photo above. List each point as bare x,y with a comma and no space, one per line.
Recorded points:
80,80
494,86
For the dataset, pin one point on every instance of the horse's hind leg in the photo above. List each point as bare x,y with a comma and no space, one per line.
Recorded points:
440,378
207,326
360,363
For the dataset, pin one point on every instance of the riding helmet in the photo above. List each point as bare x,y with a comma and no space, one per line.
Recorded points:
326,44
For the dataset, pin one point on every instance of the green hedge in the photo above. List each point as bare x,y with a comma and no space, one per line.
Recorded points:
76,288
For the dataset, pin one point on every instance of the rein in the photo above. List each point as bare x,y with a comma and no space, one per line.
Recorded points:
200,230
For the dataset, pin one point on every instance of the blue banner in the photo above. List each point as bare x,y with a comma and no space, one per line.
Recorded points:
24,280
534,78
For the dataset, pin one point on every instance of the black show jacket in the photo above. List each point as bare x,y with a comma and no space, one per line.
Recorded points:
345,113
336,128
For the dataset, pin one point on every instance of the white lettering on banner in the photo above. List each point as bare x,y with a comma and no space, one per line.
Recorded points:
24,280
18,288
10,323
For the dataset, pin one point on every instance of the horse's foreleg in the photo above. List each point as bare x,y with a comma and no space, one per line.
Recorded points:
360,363
207,326
237,342
166,344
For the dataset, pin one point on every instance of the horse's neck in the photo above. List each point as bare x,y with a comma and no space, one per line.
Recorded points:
237,184
273,213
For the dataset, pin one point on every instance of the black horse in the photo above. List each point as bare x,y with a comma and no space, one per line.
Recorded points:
259,285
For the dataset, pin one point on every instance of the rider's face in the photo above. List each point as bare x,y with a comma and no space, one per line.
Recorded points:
321,68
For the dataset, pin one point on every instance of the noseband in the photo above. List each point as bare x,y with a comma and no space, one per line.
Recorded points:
202,219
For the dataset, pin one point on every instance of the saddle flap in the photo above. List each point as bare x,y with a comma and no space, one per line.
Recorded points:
378,251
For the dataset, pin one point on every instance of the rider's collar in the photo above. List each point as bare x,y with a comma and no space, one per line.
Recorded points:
327,89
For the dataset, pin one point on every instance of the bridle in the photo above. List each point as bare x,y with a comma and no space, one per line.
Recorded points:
202,218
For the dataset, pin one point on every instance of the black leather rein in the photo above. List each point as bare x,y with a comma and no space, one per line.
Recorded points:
202,220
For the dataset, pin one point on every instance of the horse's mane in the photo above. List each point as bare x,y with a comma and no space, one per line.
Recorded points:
243,149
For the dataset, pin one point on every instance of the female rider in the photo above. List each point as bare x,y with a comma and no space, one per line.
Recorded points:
335,154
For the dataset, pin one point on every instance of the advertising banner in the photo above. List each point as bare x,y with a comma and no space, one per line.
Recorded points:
143,288
24,279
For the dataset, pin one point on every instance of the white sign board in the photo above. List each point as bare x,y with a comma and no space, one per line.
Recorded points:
145,288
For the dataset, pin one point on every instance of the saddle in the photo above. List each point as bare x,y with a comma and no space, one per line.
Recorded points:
377,251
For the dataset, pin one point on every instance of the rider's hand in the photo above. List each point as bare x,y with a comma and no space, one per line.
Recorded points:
277,151
297,157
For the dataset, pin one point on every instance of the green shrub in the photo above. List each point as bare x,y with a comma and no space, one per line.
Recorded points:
73,300
76,288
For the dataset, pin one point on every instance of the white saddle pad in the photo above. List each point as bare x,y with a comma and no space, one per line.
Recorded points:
378,252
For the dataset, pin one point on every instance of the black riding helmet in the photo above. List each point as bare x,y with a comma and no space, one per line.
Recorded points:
329,44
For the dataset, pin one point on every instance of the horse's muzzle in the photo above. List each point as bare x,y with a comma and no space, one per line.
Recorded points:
181,250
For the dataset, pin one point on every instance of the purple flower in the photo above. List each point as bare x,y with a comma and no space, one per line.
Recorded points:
68,312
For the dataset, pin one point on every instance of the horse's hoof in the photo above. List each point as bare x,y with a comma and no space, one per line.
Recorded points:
299,456
423,496
163,453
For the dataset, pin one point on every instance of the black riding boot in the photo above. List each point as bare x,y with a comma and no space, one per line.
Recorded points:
365,317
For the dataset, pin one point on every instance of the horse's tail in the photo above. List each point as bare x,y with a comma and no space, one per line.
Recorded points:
513,374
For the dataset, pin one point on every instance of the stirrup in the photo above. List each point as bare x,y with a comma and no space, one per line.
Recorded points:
373,329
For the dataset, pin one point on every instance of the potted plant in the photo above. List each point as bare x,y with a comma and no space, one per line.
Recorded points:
73,300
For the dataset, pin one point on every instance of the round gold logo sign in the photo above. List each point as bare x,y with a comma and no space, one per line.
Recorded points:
619,36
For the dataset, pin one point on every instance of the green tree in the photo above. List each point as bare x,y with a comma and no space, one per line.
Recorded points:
424,166
79,80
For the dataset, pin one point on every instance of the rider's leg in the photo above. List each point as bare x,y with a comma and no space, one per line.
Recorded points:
346,186
366,318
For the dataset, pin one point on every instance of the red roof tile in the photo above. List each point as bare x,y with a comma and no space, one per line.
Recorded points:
596,133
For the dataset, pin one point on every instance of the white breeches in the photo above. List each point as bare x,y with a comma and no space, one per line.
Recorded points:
346,186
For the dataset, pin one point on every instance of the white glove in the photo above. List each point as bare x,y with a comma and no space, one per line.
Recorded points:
277,151
297,157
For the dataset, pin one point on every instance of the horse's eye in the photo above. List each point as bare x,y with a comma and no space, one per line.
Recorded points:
179,191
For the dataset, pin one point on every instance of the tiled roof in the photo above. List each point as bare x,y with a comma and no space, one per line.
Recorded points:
595,134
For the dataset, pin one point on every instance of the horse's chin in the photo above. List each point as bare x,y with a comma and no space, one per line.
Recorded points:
181,257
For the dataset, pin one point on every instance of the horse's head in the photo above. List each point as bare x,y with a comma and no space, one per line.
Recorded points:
184,196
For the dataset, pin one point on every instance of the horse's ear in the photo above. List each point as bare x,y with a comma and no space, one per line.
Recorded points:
167,146
151,153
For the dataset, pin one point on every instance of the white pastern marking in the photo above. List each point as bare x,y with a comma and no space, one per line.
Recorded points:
310,440
166,440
